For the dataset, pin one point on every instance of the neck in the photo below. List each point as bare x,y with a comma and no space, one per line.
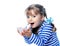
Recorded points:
35,30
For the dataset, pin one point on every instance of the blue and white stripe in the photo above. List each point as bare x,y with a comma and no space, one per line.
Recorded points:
45,36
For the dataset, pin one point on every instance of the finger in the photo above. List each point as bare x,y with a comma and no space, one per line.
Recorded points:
22,34
28,30
25,30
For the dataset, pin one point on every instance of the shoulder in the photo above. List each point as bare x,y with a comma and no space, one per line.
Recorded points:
45,28
46,25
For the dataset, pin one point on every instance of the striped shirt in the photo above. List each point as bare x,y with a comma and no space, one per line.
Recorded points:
45,36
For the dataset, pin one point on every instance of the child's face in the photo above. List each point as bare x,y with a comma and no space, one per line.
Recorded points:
34,19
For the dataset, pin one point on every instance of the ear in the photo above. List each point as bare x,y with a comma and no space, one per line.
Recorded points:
42,18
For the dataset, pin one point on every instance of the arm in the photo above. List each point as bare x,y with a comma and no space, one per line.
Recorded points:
42,36
33,39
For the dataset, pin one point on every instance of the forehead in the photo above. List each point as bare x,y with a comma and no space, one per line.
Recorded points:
32,12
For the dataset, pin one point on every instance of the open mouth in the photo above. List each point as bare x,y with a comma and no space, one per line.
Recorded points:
32,24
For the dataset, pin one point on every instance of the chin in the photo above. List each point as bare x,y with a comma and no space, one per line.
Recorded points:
33,27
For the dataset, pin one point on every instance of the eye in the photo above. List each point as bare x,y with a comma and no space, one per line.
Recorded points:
27,16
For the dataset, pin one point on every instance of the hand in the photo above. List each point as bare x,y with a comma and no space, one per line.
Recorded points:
26,32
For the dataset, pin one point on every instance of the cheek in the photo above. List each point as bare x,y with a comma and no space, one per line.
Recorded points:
27,20
38,21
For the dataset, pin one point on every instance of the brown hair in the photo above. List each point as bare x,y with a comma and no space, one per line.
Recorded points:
38,9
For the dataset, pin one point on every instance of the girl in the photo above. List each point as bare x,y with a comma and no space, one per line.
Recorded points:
41,32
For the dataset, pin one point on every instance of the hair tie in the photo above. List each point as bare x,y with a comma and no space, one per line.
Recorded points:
49,20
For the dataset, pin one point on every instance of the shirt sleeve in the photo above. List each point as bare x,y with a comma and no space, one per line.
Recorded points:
42,36
33,39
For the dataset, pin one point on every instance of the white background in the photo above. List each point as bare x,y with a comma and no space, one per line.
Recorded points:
12,15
